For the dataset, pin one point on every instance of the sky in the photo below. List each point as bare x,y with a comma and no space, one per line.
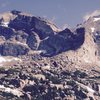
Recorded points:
61,12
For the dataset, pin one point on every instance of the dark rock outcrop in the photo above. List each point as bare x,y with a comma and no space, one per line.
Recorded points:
10,49
21,22
39,34
30,23
33,41
42,27
63,41
7,33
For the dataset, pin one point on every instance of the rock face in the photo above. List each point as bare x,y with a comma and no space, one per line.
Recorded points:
7,33
10,49
93,27
38,61
63,41
25,29
33,41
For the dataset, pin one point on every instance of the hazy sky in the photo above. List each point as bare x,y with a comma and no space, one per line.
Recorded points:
61,12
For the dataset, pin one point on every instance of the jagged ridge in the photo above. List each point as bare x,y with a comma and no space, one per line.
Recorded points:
36,33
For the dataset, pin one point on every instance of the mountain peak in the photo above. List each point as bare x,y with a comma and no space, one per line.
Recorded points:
15,12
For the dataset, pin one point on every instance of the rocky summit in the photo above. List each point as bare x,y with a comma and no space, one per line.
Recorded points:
39,61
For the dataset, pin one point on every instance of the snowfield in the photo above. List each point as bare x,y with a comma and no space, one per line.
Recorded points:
92,29
8,59
5,24
96,19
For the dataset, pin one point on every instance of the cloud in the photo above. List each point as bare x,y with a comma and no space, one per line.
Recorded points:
88,15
